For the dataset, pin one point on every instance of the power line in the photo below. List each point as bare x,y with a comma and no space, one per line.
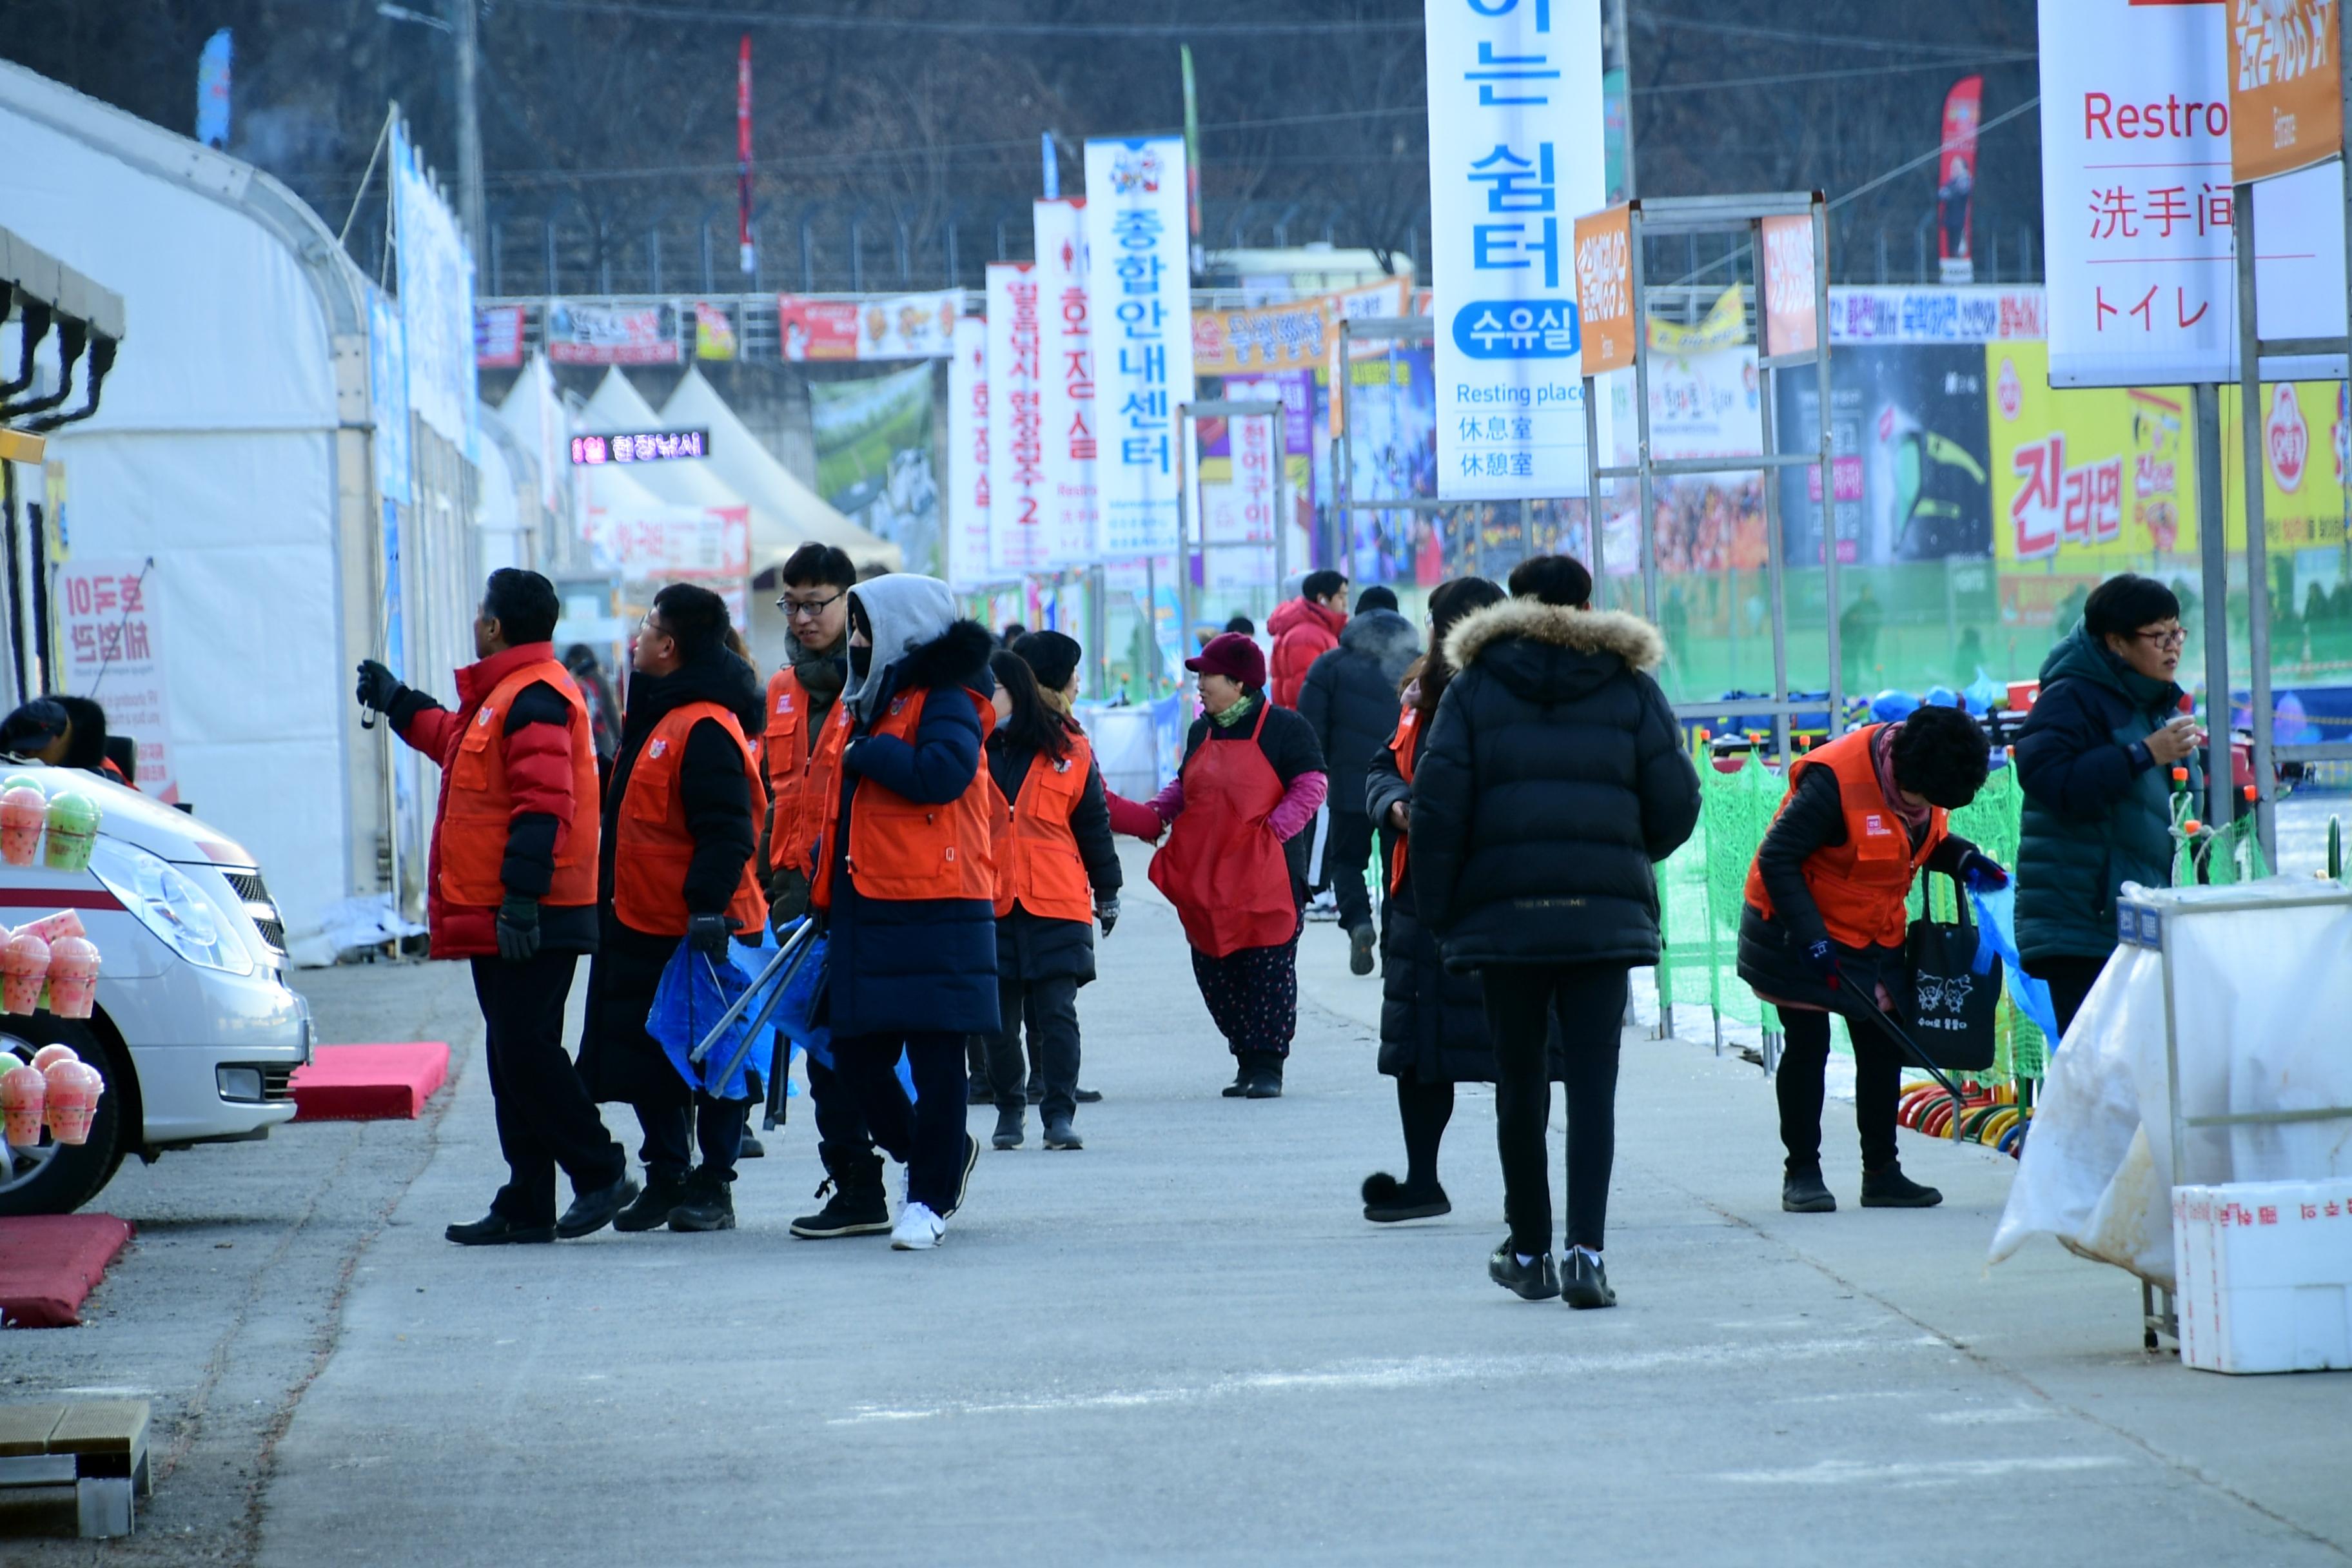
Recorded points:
1793,36
1783,79
735,17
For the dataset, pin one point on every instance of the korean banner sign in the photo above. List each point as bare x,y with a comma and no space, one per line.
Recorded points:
611,334
1140,288
968,456
1067,358
896,326
1515,155
114,645
2286,86
1016,428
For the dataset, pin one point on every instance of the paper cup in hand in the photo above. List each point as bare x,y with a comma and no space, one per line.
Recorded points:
23,1093
73,976
24,965
24,812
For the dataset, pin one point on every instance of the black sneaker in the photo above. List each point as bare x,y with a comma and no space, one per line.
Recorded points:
1010,1126
1803,1192
1536,1281
857,1206
963,1183
1060,1135
651,1211
1087,1096
1890,1189
494,1229
1359,950
708,1205
1388,1200
593,1211
1586,1283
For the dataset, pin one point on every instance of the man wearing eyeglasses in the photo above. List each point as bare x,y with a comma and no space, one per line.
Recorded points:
2096,759
802,755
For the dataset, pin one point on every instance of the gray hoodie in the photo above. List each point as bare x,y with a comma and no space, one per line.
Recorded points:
905,612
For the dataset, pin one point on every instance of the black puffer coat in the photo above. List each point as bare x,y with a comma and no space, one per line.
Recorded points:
1433,1018
617,1057
1350,698
1553,781
1030,946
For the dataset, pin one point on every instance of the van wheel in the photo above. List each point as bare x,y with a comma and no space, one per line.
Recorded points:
58,1178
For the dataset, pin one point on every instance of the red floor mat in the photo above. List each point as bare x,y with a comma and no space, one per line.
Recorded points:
50,1263
370,1083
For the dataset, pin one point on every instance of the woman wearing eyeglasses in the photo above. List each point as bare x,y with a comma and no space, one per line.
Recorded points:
2095,760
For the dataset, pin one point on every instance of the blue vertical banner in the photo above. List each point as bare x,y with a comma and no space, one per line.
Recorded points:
436,301
1139,302
1049,166
213,91
1517,153
388,396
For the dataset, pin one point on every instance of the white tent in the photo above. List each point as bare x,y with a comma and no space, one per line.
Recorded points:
747,467
233,448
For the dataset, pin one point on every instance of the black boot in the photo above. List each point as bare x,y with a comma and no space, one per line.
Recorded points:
708,1204
1888,1188
1802,1191
593,1211
652,1208
1360,942
1264,1077
1010,1131
1240,1086
494,1229
857,1206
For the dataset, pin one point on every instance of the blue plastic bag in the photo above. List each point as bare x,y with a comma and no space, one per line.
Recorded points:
693,992
796,1015
1997,923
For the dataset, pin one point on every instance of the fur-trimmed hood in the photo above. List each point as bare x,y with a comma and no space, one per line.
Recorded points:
1547,653
917,641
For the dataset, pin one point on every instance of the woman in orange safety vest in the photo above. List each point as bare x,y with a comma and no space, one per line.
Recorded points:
1057,873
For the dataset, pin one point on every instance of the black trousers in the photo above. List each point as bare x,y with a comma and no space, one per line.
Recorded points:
1252,996
1590,998
927,1137
840,1124
1049,1009
2070,979
1347,851
545,1117
677,1124
1799,1085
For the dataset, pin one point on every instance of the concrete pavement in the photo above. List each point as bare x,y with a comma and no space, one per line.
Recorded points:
1184,1344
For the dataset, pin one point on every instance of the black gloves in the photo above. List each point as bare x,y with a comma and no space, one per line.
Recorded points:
1982,873
708,935
518,927
1107,911
378,686
788,897
1823,957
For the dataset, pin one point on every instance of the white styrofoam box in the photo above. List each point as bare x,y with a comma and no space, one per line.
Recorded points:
2265,1275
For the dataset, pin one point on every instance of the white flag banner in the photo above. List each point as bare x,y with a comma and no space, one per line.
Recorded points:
2138,206
967,563
1515,158
1072,536
1016,473
1140,286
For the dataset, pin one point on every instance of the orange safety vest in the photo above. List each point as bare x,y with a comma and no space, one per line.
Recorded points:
1037,855
803,782
1401,747
652,847
479,803
902,851
1859,885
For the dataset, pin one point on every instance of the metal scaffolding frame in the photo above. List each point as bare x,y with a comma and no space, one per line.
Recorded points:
1192,553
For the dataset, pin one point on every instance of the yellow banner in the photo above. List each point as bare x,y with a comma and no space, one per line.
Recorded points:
2304,439
2086,481
1724,326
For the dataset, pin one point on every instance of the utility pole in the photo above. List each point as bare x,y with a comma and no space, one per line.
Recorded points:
463,26
1621,56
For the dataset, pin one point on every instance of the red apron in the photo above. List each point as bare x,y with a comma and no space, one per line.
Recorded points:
1223,867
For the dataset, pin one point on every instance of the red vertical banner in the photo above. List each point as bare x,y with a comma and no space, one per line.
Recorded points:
744,152
1956,181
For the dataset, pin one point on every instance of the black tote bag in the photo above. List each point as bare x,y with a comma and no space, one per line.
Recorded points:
1949,1005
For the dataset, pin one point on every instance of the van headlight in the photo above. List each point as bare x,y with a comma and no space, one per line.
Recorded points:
169,903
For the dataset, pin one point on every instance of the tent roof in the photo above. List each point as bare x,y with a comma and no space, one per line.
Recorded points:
739,459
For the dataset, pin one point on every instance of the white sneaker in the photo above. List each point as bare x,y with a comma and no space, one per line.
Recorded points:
917,1230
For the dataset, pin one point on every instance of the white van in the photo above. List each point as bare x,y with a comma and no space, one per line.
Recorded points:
194,1029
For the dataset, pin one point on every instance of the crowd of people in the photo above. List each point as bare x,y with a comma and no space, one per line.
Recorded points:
922,791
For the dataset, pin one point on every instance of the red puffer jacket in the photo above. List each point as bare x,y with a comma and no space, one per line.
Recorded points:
1303,632
536,735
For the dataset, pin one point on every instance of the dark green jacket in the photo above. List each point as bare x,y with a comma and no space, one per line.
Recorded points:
2099,810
